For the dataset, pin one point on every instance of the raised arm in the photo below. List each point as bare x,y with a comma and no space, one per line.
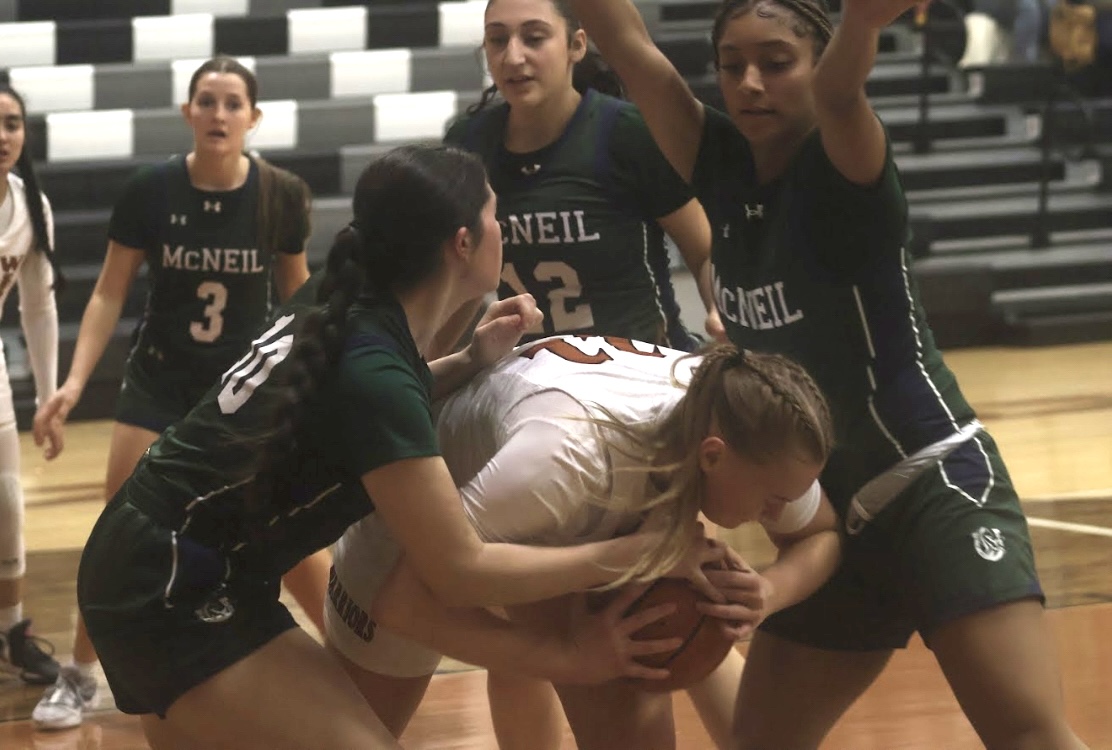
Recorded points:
121,264
851,133
674,116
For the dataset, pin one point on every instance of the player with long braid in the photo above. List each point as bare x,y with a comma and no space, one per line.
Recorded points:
27,261
810,260
325,419
218,230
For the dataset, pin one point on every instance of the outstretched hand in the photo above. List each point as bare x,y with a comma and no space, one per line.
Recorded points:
701,553
747,594
48,425
501,326
603,643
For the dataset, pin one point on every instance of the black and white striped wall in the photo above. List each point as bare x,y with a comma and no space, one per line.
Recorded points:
73,88
203,34
286,124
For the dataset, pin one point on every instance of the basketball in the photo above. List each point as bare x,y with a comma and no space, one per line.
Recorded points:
704,644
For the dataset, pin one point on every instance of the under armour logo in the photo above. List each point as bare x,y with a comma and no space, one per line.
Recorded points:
530,169
989,543
754,211
178,219
212,207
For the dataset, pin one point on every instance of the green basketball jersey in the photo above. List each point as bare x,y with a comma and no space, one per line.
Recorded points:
579,217
209,282
374,411
815,267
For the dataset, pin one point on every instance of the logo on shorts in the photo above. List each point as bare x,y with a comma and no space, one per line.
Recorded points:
217,609
989,543
351,613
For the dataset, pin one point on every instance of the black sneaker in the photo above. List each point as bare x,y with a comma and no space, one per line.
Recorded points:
22,653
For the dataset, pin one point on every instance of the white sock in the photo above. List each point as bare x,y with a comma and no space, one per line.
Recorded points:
9,616
85,669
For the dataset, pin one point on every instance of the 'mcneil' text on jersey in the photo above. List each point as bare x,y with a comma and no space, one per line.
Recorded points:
547,228
215,259
761,307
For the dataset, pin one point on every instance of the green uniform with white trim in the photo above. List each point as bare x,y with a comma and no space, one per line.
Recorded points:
578,219
209,286
815,267
181,575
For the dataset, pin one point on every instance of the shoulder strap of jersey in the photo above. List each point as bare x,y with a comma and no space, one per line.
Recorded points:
608,110
481,134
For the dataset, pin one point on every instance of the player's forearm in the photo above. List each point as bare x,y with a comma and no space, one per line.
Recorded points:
405,606
97,326
802,567
504,574
840,75
452,371
704,281
617,29
40,328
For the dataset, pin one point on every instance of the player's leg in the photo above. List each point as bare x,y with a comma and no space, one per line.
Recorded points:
391,672
20,652
309,703
808,664
1002,665
526,711
307,582
602,717
981,605
62,705
128,444
618,714
394,699
715,698
792,694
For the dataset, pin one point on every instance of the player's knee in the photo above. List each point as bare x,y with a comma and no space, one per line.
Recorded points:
12,556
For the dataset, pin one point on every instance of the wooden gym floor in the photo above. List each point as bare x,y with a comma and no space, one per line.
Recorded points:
1049,409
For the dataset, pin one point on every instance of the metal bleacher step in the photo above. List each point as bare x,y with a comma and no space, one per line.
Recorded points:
1054,300
1025,267
948,170
1064,178
1006,217
1060,314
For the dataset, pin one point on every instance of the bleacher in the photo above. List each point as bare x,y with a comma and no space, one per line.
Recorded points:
340,83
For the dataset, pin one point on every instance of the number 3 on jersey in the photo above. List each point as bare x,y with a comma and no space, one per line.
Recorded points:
215,296
564,313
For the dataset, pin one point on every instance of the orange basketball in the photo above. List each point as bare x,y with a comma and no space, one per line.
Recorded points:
704,644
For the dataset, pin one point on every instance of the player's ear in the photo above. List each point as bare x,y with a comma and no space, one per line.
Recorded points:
256,118
710,452
578,48
461,245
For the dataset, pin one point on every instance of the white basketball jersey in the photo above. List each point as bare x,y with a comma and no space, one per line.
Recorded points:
550,390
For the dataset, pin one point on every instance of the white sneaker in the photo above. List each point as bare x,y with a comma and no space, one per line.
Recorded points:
63,704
